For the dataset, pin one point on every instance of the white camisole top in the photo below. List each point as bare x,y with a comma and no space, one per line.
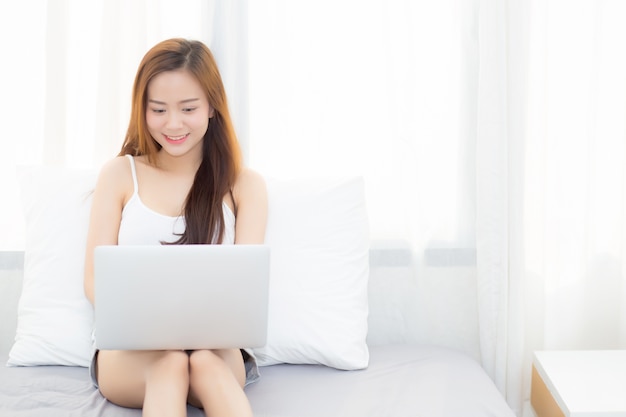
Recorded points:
141,225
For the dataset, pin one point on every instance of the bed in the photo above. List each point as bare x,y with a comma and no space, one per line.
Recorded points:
401,380
360,330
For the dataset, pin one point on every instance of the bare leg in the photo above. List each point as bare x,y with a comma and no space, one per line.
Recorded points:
216,379
158,381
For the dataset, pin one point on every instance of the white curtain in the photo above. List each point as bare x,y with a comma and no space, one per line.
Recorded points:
572,257
490,133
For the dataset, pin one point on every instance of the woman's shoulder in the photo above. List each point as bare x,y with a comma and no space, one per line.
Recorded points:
115,167
115,174
249,179
249,184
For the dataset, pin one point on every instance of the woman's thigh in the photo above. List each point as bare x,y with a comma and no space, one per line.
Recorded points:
122,375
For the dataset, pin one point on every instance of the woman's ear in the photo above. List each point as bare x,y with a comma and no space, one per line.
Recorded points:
211,111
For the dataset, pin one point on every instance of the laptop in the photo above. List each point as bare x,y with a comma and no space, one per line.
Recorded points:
158,297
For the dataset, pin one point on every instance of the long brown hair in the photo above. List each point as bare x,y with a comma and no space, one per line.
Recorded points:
221,155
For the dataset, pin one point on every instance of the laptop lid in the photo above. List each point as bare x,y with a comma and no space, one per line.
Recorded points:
181,296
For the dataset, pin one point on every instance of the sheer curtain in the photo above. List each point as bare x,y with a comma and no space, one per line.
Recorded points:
491,137
490,133
418,97
573,242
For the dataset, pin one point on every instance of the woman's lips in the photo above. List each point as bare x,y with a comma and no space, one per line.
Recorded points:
176,139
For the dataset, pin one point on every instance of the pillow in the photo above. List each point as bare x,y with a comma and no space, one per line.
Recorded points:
318,234
319,238
54,317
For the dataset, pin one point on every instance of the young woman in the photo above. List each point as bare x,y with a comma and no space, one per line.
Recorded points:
177,180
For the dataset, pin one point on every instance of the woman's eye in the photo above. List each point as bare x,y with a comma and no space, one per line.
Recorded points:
189,109
158,110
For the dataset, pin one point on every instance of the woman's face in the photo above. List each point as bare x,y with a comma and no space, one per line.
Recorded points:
177,113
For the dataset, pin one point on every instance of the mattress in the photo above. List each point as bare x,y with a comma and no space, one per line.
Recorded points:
401,381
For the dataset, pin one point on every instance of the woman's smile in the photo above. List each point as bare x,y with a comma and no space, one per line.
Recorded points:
176,139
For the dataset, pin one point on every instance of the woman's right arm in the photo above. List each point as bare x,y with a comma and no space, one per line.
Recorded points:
108,201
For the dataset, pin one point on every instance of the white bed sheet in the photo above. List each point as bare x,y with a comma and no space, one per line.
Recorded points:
401,381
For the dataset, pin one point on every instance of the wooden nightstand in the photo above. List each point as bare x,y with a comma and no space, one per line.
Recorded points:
579,383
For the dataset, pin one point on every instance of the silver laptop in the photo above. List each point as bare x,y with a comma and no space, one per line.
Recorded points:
181,296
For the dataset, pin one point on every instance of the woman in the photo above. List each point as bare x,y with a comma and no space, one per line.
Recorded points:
177,180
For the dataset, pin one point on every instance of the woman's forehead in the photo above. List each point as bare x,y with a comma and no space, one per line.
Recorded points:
175,86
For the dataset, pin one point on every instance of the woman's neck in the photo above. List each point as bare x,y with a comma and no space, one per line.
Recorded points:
184,164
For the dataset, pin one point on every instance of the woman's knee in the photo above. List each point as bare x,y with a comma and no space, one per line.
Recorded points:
124,375
205,361
217,365
170,364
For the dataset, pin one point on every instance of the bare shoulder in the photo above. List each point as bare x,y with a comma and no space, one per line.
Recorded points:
115,167
115,174
248,178
250,186
251,198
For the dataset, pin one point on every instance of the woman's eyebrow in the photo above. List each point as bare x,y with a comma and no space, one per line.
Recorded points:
180,102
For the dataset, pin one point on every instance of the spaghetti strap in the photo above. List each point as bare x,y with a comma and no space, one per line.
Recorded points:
232,198
134,173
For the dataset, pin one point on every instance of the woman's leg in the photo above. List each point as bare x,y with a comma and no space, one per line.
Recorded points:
158,381
216,380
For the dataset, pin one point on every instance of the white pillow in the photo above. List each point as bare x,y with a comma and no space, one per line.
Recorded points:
319,238
54,317
318,233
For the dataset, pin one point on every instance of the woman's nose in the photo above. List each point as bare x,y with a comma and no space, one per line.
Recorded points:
174,120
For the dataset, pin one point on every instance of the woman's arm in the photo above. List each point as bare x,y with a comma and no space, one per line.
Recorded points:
250,196
106,213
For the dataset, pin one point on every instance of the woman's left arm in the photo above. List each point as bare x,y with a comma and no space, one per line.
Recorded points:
250,195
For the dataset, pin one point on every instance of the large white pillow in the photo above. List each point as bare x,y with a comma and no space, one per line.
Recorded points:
319,238
318,233
54,317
